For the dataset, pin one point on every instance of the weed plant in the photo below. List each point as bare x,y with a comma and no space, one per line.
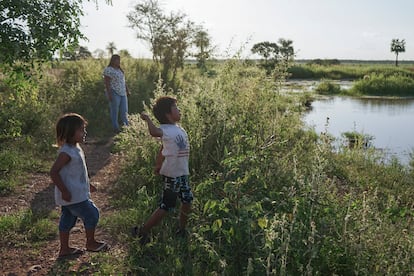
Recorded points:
31,106
326,87
346,71
270,198
384,85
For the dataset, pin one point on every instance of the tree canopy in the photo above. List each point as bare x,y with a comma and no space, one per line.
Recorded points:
397,46
35,30
273,52
170,36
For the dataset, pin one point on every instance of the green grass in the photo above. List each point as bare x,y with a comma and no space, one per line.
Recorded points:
347,71
270,197
25,228
384,85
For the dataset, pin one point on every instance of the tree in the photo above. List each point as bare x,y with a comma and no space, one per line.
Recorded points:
124,53
169,36
147,20
99,53
35,30
77,54
202,41
270,53
268,50
111,48
397,46
286,49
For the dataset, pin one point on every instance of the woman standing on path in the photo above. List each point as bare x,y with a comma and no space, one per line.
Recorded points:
116,92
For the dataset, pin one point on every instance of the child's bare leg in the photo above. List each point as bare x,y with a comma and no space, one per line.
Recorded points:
155,218
64,243
91,243
184,212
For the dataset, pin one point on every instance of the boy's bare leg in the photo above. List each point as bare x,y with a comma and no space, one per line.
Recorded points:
155,218
184,212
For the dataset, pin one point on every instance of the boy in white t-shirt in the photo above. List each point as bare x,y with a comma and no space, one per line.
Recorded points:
174,170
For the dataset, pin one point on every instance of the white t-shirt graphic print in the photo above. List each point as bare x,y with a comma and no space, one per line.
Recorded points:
176,150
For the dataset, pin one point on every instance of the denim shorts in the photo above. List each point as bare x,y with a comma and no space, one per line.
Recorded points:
175,187
86,210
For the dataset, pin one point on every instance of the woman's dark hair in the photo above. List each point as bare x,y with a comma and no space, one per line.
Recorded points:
162,107
113,58
66,127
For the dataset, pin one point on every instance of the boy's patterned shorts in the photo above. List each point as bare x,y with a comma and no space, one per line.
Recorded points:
175,187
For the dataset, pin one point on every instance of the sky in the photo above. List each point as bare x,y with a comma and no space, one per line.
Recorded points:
325,29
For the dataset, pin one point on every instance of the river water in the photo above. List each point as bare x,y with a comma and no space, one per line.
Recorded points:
389,121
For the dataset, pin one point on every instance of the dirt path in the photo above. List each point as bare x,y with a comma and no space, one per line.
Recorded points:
37,195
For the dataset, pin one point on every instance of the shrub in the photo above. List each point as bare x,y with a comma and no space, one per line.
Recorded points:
384,85
327,87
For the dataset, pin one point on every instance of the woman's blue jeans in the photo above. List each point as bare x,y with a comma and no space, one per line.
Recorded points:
118,105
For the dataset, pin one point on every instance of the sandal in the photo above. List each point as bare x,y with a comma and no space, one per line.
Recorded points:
103,247
73,252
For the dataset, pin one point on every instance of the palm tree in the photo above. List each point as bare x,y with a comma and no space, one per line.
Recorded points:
202,42
397,46
111,48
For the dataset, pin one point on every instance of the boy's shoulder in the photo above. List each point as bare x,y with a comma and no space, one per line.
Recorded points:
171,127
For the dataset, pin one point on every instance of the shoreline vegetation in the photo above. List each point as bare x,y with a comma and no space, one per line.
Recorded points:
270,196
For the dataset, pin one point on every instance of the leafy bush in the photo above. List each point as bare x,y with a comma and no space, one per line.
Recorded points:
327,87
270,198
384,85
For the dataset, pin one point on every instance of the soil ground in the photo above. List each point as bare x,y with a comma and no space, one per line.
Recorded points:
37,194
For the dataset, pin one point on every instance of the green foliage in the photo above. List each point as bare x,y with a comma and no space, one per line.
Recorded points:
325,62
202,41
25,226
327,87
397,47
273,53
345,71
384,85
36,29
270,198
170,36
356,139
30,108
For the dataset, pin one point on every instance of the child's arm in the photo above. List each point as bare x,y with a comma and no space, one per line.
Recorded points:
61,161
92,188
153,130
158,161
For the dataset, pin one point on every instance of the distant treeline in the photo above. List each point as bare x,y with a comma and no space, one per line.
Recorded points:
323,61
350,61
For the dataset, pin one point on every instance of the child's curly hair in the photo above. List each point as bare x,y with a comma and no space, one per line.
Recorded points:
162,107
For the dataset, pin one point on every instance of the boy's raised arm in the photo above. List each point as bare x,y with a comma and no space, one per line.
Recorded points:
153,130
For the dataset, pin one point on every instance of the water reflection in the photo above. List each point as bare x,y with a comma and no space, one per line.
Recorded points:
389,121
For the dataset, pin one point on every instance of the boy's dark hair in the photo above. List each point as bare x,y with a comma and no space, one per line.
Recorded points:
162,107
66,127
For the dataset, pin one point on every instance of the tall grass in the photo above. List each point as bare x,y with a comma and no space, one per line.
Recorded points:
270,198
31,106
346,71
382,85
